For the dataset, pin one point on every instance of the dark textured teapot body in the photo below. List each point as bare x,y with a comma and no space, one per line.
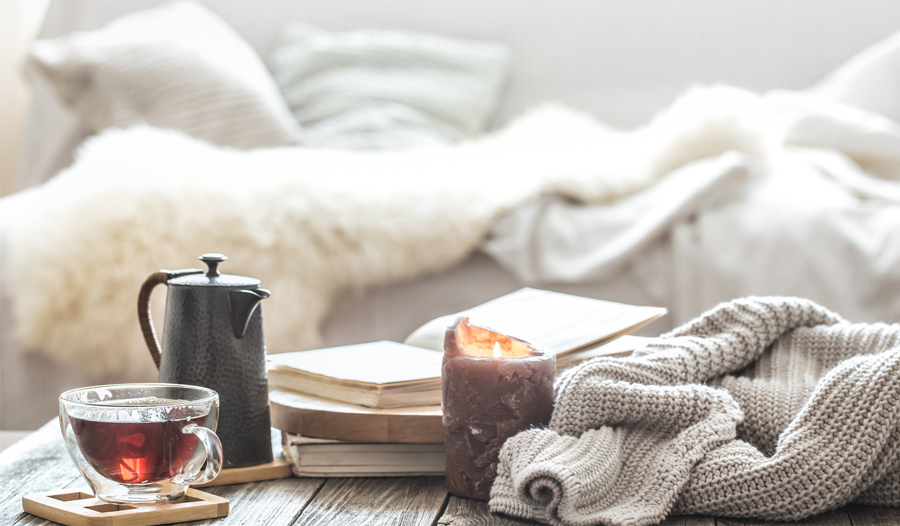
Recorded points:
214,338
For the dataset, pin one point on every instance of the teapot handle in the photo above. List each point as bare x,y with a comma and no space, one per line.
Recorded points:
155,279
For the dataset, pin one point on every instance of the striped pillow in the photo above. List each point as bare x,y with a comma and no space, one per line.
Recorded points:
375,89
175,66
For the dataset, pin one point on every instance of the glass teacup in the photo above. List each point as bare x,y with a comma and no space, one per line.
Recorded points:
142,443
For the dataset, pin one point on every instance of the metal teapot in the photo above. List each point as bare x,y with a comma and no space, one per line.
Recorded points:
214,338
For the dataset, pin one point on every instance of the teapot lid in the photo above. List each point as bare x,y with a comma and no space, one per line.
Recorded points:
213,278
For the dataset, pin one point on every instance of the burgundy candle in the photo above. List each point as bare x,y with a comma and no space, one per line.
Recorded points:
493,386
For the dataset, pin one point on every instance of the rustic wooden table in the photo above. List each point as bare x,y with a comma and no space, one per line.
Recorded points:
40,463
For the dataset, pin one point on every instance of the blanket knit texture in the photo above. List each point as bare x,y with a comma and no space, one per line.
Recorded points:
771,408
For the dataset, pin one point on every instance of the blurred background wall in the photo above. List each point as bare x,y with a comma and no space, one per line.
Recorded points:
19,22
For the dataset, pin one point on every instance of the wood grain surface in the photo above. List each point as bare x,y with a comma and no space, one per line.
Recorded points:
37,463
688,520
315,417
466,512
873,516
401,501
41,463
273,502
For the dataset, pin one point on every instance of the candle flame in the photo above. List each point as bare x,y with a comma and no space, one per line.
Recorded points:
473,340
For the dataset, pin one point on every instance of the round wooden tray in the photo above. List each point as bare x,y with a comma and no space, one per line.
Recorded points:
316,417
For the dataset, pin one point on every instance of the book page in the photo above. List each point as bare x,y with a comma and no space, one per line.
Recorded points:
377,363
619,347
556,322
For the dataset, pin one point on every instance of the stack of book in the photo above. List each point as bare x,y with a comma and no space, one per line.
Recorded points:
373,409
360,410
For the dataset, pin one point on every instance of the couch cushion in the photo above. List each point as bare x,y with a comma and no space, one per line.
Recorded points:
176,66
373,89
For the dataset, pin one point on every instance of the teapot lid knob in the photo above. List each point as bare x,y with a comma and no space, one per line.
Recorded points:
212,261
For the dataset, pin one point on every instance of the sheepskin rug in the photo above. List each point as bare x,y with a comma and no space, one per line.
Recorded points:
311,223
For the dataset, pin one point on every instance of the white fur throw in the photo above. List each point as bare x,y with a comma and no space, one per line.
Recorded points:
311,223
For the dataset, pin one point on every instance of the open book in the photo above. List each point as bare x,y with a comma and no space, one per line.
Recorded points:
387,374
556,322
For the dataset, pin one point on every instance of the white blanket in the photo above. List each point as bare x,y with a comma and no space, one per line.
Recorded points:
808,222
309,223
820,218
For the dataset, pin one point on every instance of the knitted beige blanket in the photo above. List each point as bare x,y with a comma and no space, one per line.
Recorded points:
771,408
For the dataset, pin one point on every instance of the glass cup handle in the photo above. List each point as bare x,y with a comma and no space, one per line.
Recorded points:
213,456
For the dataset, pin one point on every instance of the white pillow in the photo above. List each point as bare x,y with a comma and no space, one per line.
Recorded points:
175,66
870,80
373,89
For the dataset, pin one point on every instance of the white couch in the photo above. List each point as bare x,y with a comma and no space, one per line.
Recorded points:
623,61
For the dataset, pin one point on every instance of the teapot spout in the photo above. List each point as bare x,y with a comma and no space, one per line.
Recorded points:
243,303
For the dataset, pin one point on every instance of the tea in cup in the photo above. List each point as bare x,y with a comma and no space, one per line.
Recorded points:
142,443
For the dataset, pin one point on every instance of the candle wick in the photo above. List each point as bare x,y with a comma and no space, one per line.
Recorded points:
497,353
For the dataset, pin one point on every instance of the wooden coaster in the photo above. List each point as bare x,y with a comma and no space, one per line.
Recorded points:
316,417
81,508
280,468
